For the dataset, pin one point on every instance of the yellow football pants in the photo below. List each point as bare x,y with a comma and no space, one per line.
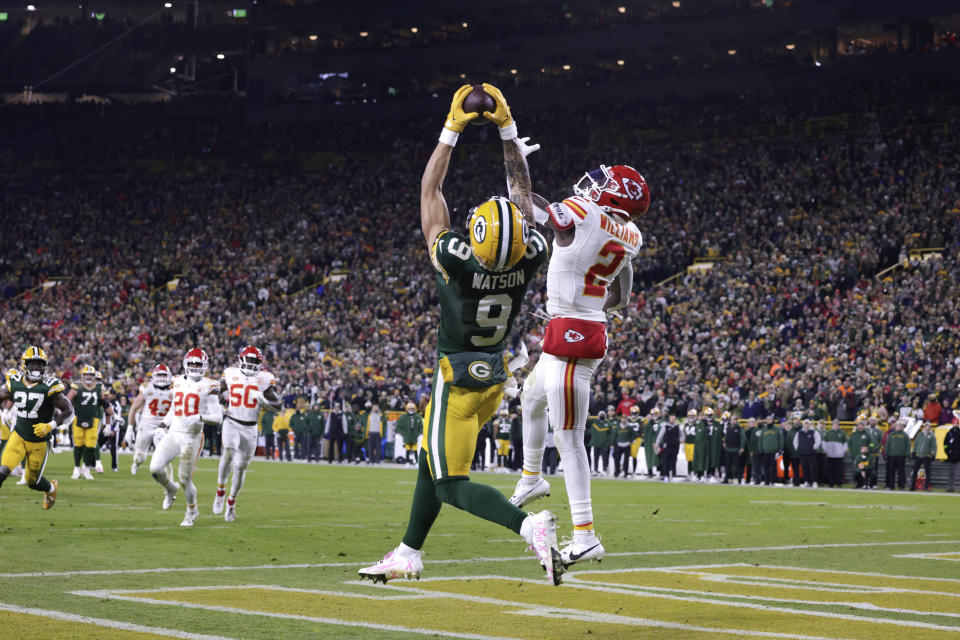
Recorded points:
18,449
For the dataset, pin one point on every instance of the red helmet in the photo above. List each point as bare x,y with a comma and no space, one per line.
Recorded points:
195,363
161,376
619,190
250,359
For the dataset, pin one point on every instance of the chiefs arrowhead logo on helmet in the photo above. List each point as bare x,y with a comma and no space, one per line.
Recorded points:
573,336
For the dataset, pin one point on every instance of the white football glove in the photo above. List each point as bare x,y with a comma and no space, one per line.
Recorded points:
526,149
511,389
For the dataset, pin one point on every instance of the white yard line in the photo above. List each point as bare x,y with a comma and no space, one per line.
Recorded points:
506,607
525,558
111,624
932,556
292,616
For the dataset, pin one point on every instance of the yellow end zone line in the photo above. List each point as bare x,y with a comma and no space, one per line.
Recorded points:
951,556
512,607
110,624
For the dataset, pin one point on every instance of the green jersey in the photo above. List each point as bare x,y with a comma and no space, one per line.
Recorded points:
477,306
33,402
87,404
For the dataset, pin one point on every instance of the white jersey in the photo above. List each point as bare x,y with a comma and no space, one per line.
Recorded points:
191,398
244,393
580,273
156,403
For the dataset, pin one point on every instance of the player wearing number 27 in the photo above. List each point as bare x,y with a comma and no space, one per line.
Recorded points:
481,282
246,388
196,401
590,273
36,397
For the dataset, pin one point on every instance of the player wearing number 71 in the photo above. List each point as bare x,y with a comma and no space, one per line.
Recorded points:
595,239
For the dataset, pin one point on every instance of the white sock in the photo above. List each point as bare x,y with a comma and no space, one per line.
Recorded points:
404,550
535,425
576,474
583,536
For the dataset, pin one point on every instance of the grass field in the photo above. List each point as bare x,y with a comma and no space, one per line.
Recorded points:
682,561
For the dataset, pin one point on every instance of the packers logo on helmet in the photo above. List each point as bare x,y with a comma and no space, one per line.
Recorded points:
33,363
88,374
498,234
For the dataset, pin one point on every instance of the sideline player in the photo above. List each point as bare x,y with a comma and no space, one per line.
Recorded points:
196,401
590,273
145,419
41,407
89,404
481,282
246,387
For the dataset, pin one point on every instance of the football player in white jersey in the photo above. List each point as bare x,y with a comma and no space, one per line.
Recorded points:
246,388
589,274
145,419
196,401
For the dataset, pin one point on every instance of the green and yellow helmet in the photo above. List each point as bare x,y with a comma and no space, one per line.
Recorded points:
498,234
33,363
88,374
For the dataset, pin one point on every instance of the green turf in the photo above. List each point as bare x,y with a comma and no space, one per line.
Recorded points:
332,514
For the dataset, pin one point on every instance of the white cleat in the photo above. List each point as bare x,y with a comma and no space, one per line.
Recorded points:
527,492
85,473
231,513
22,480
134,468
190,517
99,467
170,496
542,538
394,565
581,551
76,474
218,501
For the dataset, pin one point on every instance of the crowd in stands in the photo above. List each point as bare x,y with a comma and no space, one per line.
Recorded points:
791,316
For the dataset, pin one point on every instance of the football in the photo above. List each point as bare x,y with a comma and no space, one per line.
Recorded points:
478,101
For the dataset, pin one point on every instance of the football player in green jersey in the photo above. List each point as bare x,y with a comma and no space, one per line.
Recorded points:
89,404
41,407
481,278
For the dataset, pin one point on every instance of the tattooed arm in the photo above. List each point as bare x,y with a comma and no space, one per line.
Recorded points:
518,179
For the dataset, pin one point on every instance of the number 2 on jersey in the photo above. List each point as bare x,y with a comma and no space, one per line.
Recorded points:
592,286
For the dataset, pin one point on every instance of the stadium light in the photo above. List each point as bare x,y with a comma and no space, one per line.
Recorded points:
817,63
168,5
31,7
173,69
620,62
622,9
791,46
220,56
413,29
313,37
675,4
464,24
566,67
731,52
513,72
364,34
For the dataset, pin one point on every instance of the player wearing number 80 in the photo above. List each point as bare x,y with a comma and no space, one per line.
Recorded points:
35,397
481,282
594,241
195,401
245,387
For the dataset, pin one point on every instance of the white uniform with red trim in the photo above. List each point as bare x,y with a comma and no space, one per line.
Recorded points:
243,409
150,429
578,278
191,398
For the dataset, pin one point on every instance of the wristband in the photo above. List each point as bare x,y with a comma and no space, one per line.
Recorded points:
449,137
508,132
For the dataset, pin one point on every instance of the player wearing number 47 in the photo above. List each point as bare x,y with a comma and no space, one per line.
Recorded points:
195,401
246,388
594,241
481,282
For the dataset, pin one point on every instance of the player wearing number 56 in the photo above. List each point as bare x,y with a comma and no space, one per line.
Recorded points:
40,406
195,402
481,280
